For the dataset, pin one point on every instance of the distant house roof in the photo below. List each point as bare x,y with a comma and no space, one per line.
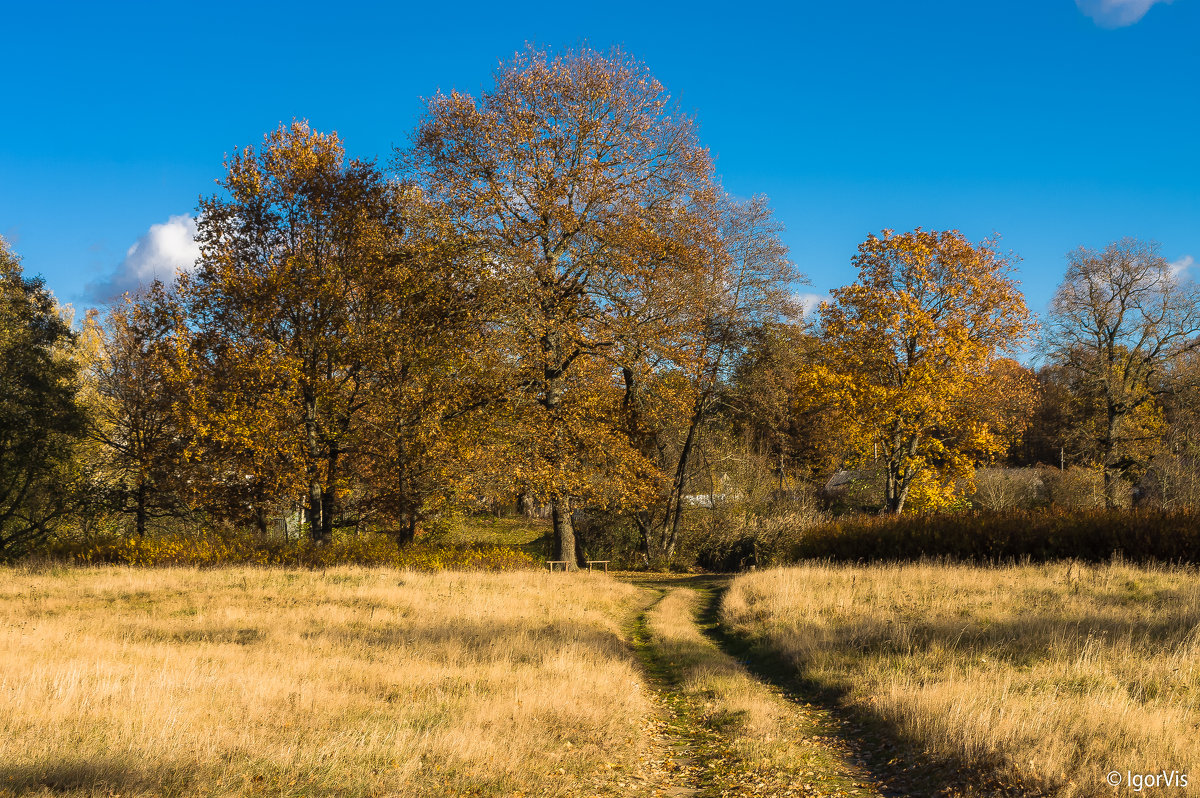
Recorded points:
841,480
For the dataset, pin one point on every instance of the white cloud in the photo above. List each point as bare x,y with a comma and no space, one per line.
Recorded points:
809,301
1180,266
1116,13
162,252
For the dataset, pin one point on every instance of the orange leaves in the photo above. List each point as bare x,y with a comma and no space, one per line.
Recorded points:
579,188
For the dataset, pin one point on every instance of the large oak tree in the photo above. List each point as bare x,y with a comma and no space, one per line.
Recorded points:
583,187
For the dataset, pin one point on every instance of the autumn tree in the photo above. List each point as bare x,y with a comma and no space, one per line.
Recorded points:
282,300
745,286
581,184
434,386
768,400
1120,323
911,352
40,417
1175,464
133,409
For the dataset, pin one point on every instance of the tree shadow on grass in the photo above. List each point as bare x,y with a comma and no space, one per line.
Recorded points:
897,761
95,776
544,637
539,548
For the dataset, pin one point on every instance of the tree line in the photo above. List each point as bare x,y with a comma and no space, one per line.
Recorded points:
547,298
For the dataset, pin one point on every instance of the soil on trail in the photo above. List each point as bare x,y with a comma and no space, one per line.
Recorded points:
735,721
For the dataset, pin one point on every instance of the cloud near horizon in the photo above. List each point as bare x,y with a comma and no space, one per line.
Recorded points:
1178,267
1116,13
162,252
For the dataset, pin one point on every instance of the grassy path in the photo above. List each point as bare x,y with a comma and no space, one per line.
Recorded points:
725,732
740,721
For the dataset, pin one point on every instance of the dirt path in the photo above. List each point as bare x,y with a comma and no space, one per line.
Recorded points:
721,731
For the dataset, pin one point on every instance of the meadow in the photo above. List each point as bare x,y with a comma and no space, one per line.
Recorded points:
349,681
1049,676
917,679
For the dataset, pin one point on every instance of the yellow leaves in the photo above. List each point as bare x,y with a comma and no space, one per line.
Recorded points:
912,350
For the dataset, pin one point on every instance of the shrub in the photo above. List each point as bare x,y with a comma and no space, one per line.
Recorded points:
1001,489
1137,535
611,536
1076,488
217,548
736,541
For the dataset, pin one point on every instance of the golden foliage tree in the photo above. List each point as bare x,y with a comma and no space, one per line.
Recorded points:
434,387
912,356
584,189
745,283
284,302
133,403
769,401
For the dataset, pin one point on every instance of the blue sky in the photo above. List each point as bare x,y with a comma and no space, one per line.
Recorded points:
1055,123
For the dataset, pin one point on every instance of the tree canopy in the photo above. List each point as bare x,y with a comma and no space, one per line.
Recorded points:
547,298
589,195
40,417
911,355
1120,325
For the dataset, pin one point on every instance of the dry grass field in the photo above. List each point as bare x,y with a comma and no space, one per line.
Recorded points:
352,682
1052,675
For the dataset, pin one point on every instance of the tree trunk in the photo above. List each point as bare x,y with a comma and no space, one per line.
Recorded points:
645,525
327,499
564,532
671,520
1112,481
903,497
899,476
328,495
1112,473
408,530
141,508
312,513
890,497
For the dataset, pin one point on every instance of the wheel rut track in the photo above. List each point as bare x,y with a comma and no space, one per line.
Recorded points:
702,693
679,776
865,755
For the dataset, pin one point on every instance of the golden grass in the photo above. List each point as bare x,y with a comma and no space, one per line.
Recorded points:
1054,674
755,742
352,682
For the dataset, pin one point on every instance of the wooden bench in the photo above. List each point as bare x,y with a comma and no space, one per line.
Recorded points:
551,563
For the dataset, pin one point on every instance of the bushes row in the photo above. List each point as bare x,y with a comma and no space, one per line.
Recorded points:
1138,535
1097,535
210,548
